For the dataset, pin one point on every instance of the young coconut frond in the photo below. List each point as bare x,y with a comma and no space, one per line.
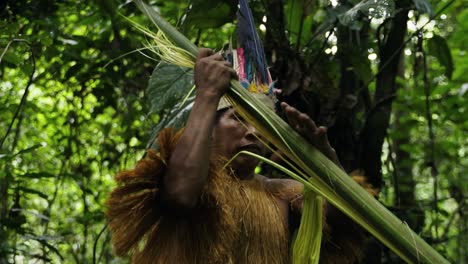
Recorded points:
318,173
164,48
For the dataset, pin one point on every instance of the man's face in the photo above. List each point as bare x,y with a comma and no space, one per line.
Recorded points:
231,134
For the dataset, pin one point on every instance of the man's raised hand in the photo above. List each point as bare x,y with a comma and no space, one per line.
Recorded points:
212,73
305,126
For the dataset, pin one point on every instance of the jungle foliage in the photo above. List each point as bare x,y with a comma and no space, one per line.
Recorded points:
387,77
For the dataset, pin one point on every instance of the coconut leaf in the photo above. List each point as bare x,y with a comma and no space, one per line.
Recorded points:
170,31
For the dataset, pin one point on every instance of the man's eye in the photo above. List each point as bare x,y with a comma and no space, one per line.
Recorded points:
238,118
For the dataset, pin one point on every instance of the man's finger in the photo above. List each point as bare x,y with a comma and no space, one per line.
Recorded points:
204,52
308,123
285,106
233,74
322,136
227,64
217,57
293,116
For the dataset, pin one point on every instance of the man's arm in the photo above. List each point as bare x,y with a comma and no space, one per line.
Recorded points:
189,163
343,240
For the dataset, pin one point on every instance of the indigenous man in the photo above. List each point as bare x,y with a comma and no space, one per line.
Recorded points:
182,206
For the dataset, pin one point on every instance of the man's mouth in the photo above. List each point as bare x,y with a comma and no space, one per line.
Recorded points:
254,148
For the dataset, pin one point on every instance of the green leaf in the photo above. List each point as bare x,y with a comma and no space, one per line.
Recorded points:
424,7
209,14
373,8
438,48
12,58
361,67
299,19
168,85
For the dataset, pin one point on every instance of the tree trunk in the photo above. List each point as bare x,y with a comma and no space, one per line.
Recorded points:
377,121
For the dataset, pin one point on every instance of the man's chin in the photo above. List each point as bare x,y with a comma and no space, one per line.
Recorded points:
244,163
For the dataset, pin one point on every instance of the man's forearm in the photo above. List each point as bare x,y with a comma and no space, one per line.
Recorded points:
189,164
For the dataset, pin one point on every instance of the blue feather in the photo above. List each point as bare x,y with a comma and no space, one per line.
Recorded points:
249,40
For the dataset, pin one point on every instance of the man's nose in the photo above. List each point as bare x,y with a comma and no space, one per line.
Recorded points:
252,133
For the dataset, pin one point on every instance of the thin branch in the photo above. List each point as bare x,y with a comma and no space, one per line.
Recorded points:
430,127
322,30
96,242
23,98
59,182
299,33
392,161
8,46
324,43
379,30
105,244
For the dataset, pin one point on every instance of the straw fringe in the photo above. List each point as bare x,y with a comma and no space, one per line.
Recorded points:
224,229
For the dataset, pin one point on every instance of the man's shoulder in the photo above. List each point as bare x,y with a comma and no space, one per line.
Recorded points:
286,188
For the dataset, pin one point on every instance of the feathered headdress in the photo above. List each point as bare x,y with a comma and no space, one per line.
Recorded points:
249,59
